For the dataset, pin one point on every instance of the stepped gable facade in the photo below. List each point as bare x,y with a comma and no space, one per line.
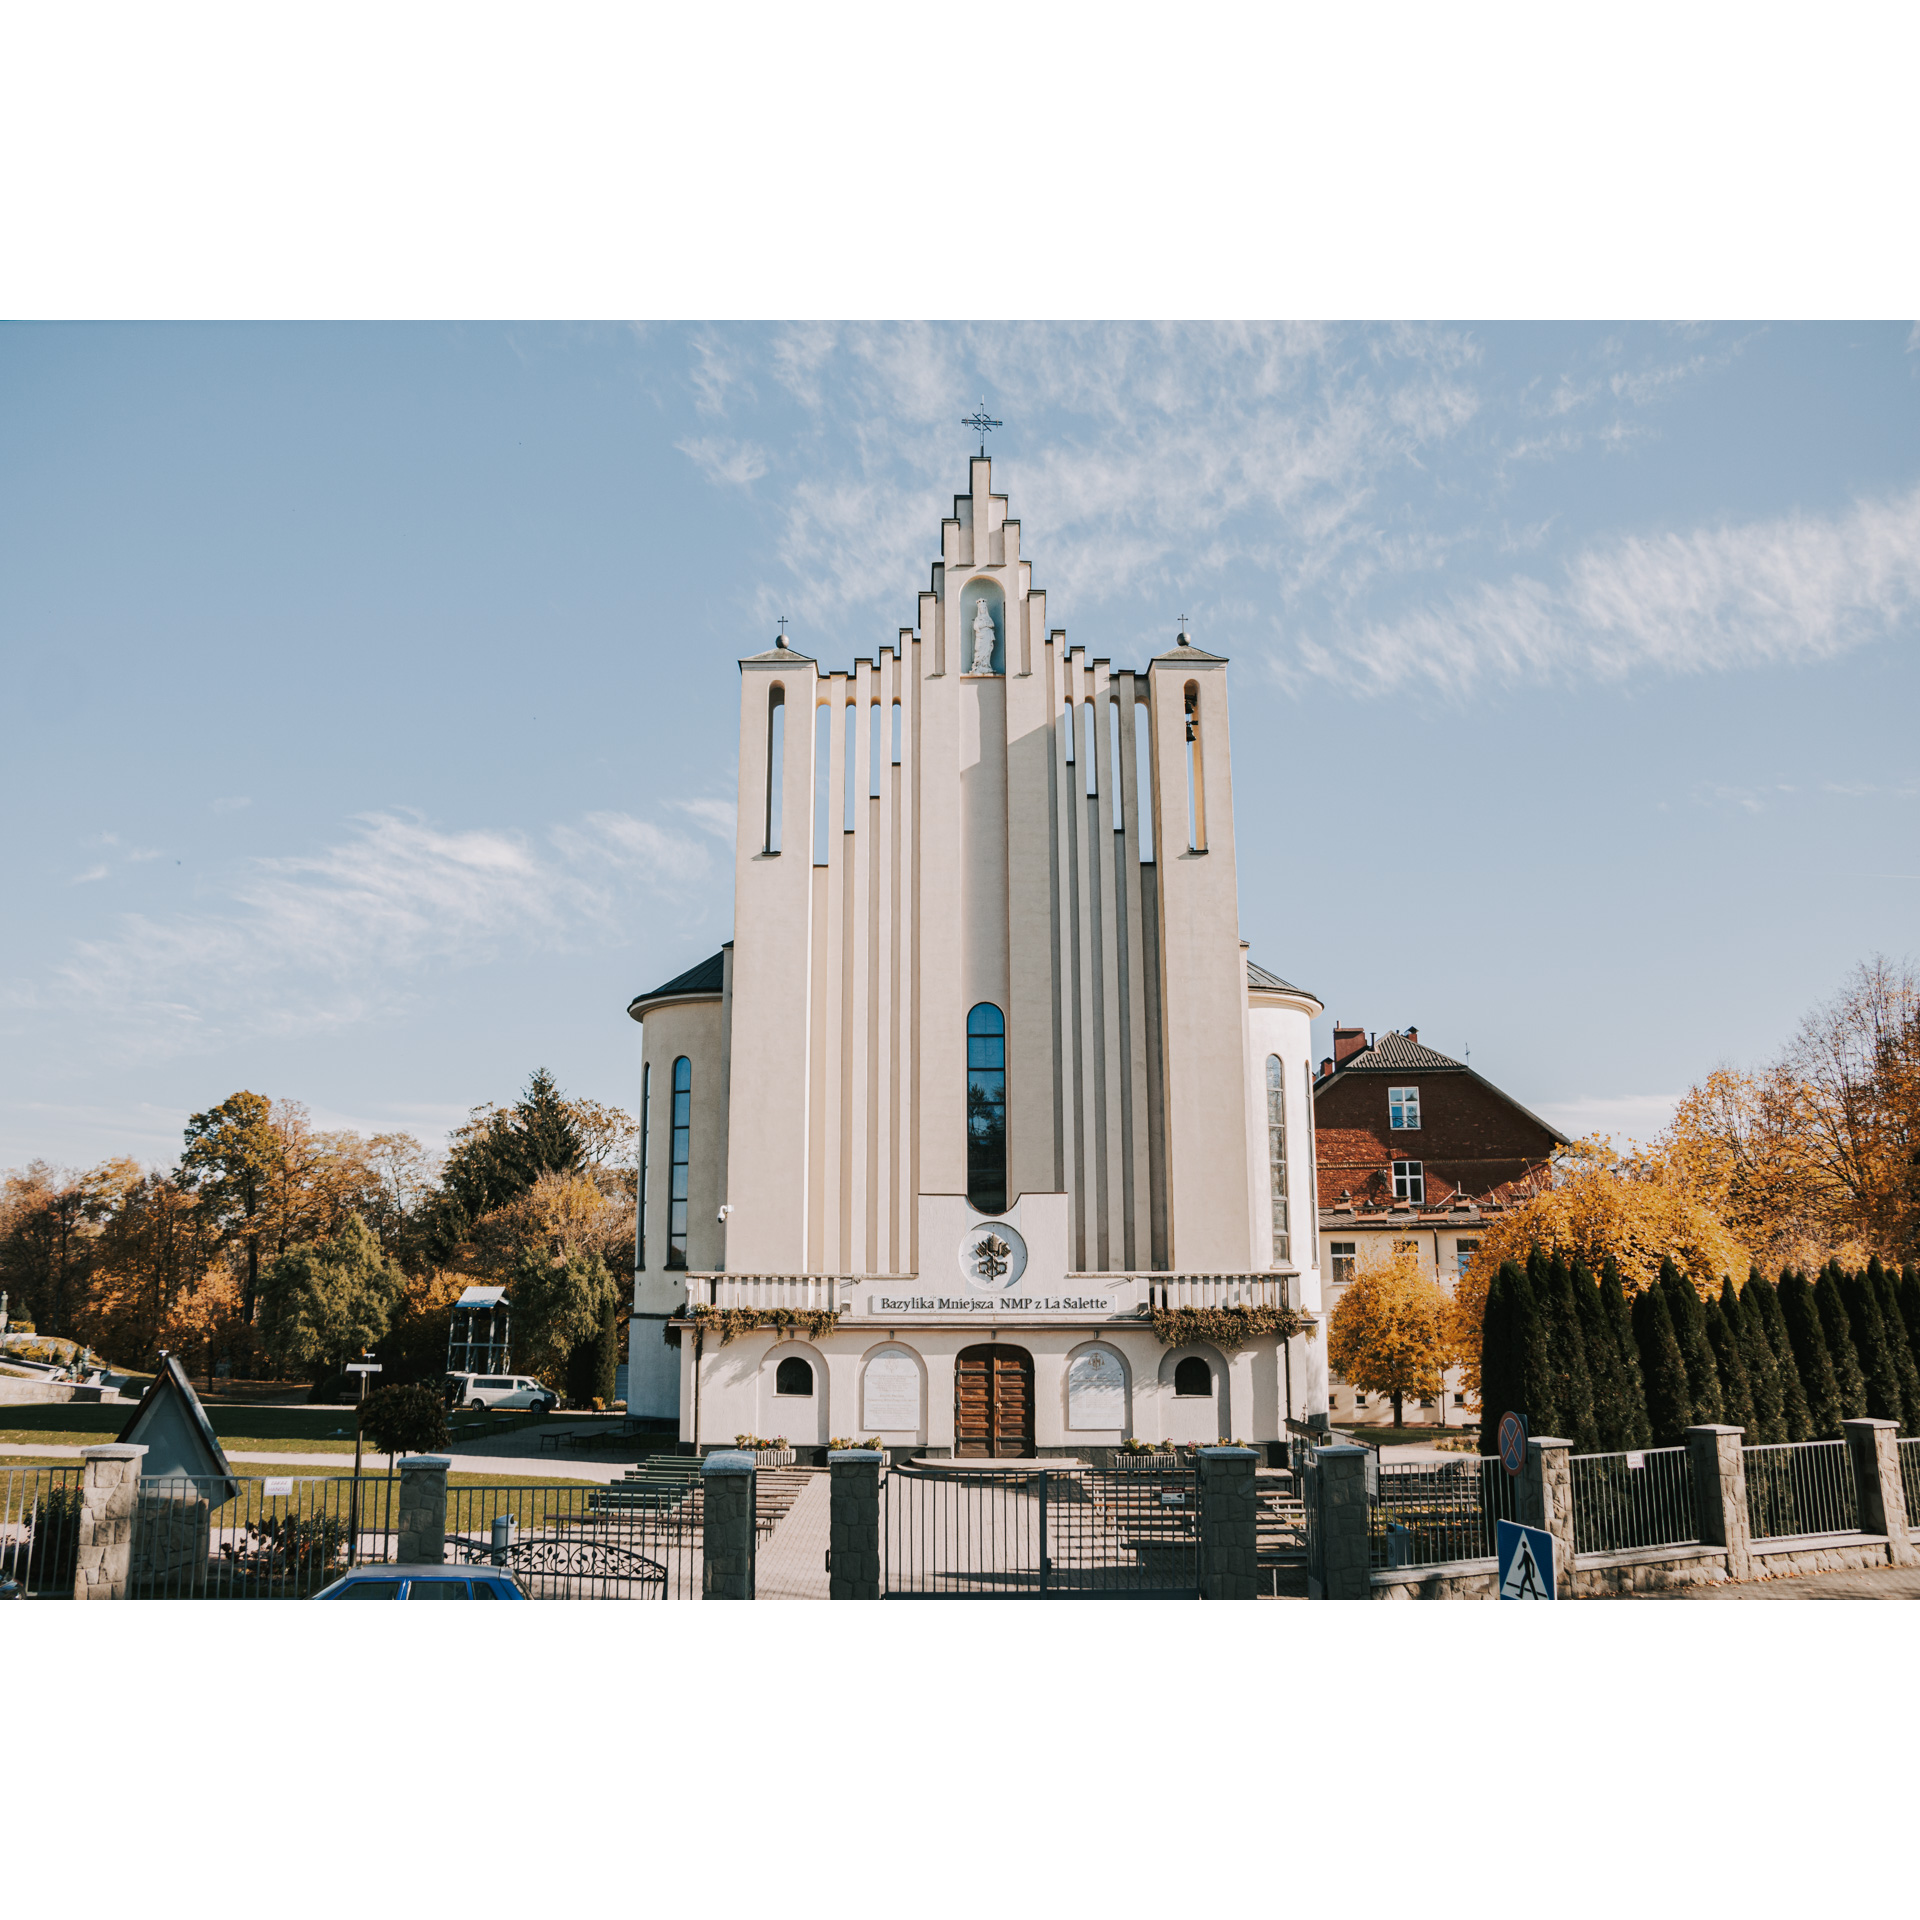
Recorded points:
986,1076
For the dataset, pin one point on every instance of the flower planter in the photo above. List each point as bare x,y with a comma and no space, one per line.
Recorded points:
1147,1462
774,1457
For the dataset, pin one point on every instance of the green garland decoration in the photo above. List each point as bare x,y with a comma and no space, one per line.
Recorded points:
1228,1328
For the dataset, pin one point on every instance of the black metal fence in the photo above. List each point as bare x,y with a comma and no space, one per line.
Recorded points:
1803,1486
580,1543
1040,1533
40,1529
269,1538
1428,1512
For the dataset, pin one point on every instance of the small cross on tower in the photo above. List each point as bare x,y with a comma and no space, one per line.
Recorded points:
782,623
982,425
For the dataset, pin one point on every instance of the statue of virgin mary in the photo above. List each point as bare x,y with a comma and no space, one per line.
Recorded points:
982,638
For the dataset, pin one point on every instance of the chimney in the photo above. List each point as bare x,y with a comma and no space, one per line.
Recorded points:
1326,1066
1347,1041
1413,1034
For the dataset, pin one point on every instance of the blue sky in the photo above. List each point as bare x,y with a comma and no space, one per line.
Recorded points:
372,693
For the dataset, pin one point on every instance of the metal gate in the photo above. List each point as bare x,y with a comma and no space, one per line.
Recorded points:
1040,1533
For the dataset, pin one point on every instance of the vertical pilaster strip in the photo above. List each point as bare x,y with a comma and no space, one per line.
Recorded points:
1140,1212
855,1256
833,979
1100,845
883,867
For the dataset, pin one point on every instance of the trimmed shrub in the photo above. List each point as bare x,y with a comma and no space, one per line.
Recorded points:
1736,1390
1878,1375
1899,1343
1634,1428
1664,1371
1742,1313
1508,1329
1567,1356
1761,1305
1690,1329
1801,1313
405,1419
1837,1331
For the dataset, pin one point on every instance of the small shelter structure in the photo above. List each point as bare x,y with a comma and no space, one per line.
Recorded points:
173,1426
479,1335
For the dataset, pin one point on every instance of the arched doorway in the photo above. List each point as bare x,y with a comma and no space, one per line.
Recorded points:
993,1403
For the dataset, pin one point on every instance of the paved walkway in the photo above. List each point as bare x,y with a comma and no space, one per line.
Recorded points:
1872,1583
792,1562
514,1466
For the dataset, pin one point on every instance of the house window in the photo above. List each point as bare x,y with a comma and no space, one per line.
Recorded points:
1410,1182
1193,1379
987,1109
794,1376
1463,1252
1343,1259
1459,1399
776,763
646,1118
1406,1246
1403,1109
677,1189
1277,1158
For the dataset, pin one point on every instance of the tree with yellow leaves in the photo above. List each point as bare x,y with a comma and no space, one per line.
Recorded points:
1597,1207
1389,1333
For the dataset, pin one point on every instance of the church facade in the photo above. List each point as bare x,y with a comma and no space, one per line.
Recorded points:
985,1136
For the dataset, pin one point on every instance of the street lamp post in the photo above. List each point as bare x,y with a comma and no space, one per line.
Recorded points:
362,1367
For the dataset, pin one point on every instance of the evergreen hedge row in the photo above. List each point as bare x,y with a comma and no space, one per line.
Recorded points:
1785,1360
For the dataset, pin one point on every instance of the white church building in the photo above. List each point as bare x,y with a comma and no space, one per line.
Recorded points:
985,1102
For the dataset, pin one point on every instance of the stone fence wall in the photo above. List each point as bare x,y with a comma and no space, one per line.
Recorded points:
1726,1550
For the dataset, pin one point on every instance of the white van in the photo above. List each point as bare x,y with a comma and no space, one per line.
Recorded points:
514,1390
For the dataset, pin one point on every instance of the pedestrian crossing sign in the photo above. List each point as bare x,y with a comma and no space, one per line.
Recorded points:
1525,1560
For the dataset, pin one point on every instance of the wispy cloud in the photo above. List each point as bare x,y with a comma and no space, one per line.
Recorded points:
1629,1119
320,941
726,463
1776,592
717,817
92,873
232,803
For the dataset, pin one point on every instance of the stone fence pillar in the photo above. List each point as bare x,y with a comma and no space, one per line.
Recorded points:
423,1510
1876,1473
1345,1553
727,1526
853,1551
109,1491
1720,1494
1546,1499
1229,1524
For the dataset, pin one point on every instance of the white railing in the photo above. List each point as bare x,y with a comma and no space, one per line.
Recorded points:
1174,1291
808,1292
1127,1294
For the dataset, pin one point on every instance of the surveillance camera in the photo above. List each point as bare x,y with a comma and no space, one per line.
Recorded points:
721,1216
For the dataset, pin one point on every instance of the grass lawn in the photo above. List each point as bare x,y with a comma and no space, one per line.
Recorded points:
1408,1436
250,1429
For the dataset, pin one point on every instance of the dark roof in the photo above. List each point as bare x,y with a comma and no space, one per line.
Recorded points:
1397,1050
778,654
171,1386
708,977
1258,976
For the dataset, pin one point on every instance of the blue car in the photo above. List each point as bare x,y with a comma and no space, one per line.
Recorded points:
424,1583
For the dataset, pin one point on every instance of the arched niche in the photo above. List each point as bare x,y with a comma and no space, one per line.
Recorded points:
971,595
1099,1390
1189,1417
803,1418
893,1392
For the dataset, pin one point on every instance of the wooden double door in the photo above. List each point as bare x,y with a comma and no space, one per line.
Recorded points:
993,1403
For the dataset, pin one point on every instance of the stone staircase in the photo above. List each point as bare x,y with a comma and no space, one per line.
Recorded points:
670,1484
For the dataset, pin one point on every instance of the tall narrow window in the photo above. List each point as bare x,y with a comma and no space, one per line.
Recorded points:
1196,774
677,1192
646,1121
776,764
1066,730
1410,1182
1087,749
1277,1158
896,733
873,752
1143,778
1403,1109
1113,749
987,1109
852,733
822,762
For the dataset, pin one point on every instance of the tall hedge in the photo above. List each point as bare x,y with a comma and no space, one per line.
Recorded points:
1906,1364
1603,1361
1807,1337
1762,1304
1908,1293
1662,1368
1736,1391
1878,1373
1690,1329
1567,1356
1742,1311
1634,1429
1838,1333
1514,1367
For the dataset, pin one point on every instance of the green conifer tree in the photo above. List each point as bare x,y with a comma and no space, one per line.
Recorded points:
1690,1329
1742,1312
1634,1430
1603,1360
1736,1390
1838,1333
1908,1293
1567,1355
1503,1344
1669,1399
1877,1371
1541,1405
1906,1364
1762,1304
1800,1312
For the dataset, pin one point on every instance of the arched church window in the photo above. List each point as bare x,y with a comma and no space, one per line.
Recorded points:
776,763
1277,1157
646,1121
1193,1379
682,1134
793,1375
987,1109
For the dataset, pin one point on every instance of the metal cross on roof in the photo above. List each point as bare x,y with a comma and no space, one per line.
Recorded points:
981,425
783,623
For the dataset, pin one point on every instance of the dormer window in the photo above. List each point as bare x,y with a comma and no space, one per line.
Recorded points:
1410,1182
1403,1109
